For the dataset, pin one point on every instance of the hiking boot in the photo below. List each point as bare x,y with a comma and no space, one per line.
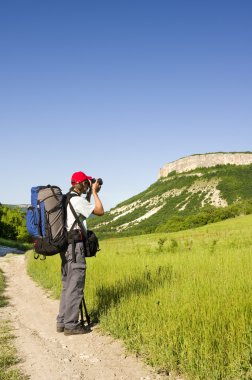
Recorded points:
60,328
77,330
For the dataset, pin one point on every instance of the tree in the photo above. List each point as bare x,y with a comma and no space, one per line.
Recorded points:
12,224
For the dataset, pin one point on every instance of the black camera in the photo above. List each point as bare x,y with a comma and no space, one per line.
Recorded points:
99,180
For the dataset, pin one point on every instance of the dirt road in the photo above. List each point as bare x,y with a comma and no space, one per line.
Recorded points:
54,356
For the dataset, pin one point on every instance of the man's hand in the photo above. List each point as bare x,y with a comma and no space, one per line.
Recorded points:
96,187
98,210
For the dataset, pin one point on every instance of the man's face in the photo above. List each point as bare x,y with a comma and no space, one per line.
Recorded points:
86,186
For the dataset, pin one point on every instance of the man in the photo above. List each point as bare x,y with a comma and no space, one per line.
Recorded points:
73,267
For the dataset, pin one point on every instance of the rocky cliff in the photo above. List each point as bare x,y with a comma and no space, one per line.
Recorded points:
195,161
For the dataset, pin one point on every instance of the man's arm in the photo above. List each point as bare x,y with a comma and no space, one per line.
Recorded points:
98,210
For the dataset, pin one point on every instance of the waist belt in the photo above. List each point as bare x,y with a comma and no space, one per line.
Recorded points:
75,235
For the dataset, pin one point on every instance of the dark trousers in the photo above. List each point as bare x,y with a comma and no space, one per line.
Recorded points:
73,281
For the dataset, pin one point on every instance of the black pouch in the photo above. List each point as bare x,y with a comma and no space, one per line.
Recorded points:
91,244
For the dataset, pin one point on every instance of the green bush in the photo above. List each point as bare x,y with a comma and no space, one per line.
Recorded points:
13,224
208,215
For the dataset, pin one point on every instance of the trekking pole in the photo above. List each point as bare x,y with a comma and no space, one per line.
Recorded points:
86,312
81,312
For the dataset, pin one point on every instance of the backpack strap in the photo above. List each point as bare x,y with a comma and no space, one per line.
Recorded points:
68,197
77,220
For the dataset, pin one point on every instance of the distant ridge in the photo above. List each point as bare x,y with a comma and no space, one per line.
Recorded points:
206,160
191,191
23,207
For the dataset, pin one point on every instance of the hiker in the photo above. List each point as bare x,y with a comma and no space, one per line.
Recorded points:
73,266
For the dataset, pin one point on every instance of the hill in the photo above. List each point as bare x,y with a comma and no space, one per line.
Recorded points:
182,200
22,207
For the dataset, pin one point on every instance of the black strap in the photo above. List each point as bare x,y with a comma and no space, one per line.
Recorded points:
72,239
77,219
84,232
68,197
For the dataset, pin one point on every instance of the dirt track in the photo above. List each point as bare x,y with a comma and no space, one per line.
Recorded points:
53,356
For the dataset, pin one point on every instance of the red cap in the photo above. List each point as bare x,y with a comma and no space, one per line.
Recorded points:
78,177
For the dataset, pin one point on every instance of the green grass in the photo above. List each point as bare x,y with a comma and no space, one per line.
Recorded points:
15,244
8,354
183,301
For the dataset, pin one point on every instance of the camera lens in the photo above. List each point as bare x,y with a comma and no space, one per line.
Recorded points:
99,180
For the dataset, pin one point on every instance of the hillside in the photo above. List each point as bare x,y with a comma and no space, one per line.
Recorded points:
22,207
182,200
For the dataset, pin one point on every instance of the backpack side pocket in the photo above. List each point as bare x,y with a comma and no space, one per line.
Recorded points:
32,221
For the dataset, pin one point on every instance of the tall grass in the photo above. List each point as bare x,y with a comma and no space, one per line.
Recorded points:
183,300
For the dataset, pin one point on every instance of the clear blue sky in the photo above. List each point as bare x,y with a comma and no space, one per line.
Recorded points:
119,88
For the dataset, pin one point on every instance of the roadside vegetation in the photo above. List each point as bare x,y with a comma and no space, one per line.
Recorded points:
15,244
12,224
180,300
8,354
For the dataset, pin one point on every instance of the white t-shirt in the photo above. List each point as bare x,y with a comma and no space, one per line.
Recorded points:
83,209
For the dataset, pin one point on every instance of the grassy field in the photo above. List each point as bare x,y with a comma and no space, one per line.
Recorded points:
8,357
183,301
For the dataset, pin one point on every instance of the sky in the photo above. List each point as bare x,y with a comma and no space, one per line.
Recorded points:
117,89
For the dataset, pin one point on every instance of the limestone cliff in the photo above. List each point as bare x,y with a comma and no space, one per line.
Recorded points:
195,161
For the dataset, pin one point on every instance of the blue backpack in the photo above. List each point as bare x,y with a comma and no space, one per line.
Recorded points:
45,220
